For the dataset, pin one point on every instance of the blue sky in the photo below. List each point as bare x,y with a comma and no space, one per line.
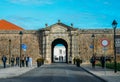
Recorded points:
59,45
84,14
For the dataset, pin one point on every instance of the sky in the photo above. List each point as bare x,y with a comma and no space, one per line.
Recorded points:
84,14
59,45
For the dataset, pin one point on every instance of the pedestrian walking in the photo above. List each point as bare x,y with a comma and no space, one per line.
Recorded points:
22,59
102,59
17,60
30,61
27,60
12,60
4,59
93,60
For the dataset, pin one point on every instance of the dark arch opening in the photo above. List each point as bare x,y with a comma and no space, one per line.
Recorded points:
54,43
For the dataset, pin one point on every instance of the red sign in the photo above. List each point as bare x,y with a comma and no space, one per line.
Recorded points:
104,42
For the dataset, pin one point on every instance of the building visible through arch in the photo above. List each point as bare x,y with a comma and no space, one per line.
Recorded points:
59,54
54,43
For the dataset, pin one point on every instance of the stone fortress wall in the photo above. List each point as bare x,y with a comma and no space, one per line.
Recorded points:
85,41
29,38
32,40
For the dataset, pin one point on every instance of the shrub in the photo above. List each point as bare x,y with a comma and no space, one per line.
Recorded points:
40,60
78,60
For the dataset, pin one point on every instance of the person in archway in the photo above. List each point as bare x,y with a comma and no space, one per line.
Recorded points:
62,58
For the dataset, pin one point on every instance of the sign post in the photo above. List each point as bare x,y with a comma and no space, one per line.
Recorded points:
91,46
24,47
105,43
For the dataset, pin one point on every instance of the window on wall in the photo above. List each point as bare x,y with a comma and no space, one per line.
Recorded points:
118,50
60,51
117,44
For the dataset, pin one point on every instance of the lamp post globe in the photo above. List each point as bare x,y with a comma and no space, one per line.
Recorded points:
20,33
93,36
114,24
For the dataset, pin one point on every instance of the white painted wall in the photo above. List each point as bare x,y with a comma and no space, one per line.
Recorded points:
59,54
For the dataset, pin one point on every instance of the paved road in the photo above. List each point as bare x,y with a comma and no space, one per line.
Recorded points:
55,73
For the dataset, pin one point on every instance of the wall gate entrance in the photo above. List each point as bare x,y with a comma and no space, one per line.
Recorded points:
59,33
60,56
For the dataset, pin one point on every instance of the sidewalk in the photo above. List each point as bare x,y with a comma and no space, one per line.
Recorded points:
14,71
106,74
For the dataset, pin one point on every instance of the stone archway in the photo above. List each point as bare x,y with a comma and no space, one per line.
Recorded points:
54,43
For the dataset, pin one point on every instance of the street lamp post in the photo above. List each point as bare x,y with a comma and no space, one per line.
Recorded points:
93,36
114,25
9,51
20,33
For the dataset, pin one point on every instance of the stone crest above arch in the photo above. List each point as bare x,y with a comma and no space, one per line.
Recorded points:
59,27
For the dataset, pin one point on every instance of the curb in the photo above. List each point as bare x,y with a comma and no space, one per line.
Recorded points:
94,74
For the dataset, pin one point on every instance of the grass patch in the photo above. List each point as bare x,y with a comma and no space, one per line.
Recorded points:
110,65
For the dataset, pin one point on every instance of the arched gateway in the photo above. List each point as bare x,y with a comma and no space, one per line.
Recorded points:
59,33
54,43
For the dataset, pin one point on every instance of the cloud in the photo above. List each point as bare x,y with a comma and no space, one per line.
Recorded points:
28,2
